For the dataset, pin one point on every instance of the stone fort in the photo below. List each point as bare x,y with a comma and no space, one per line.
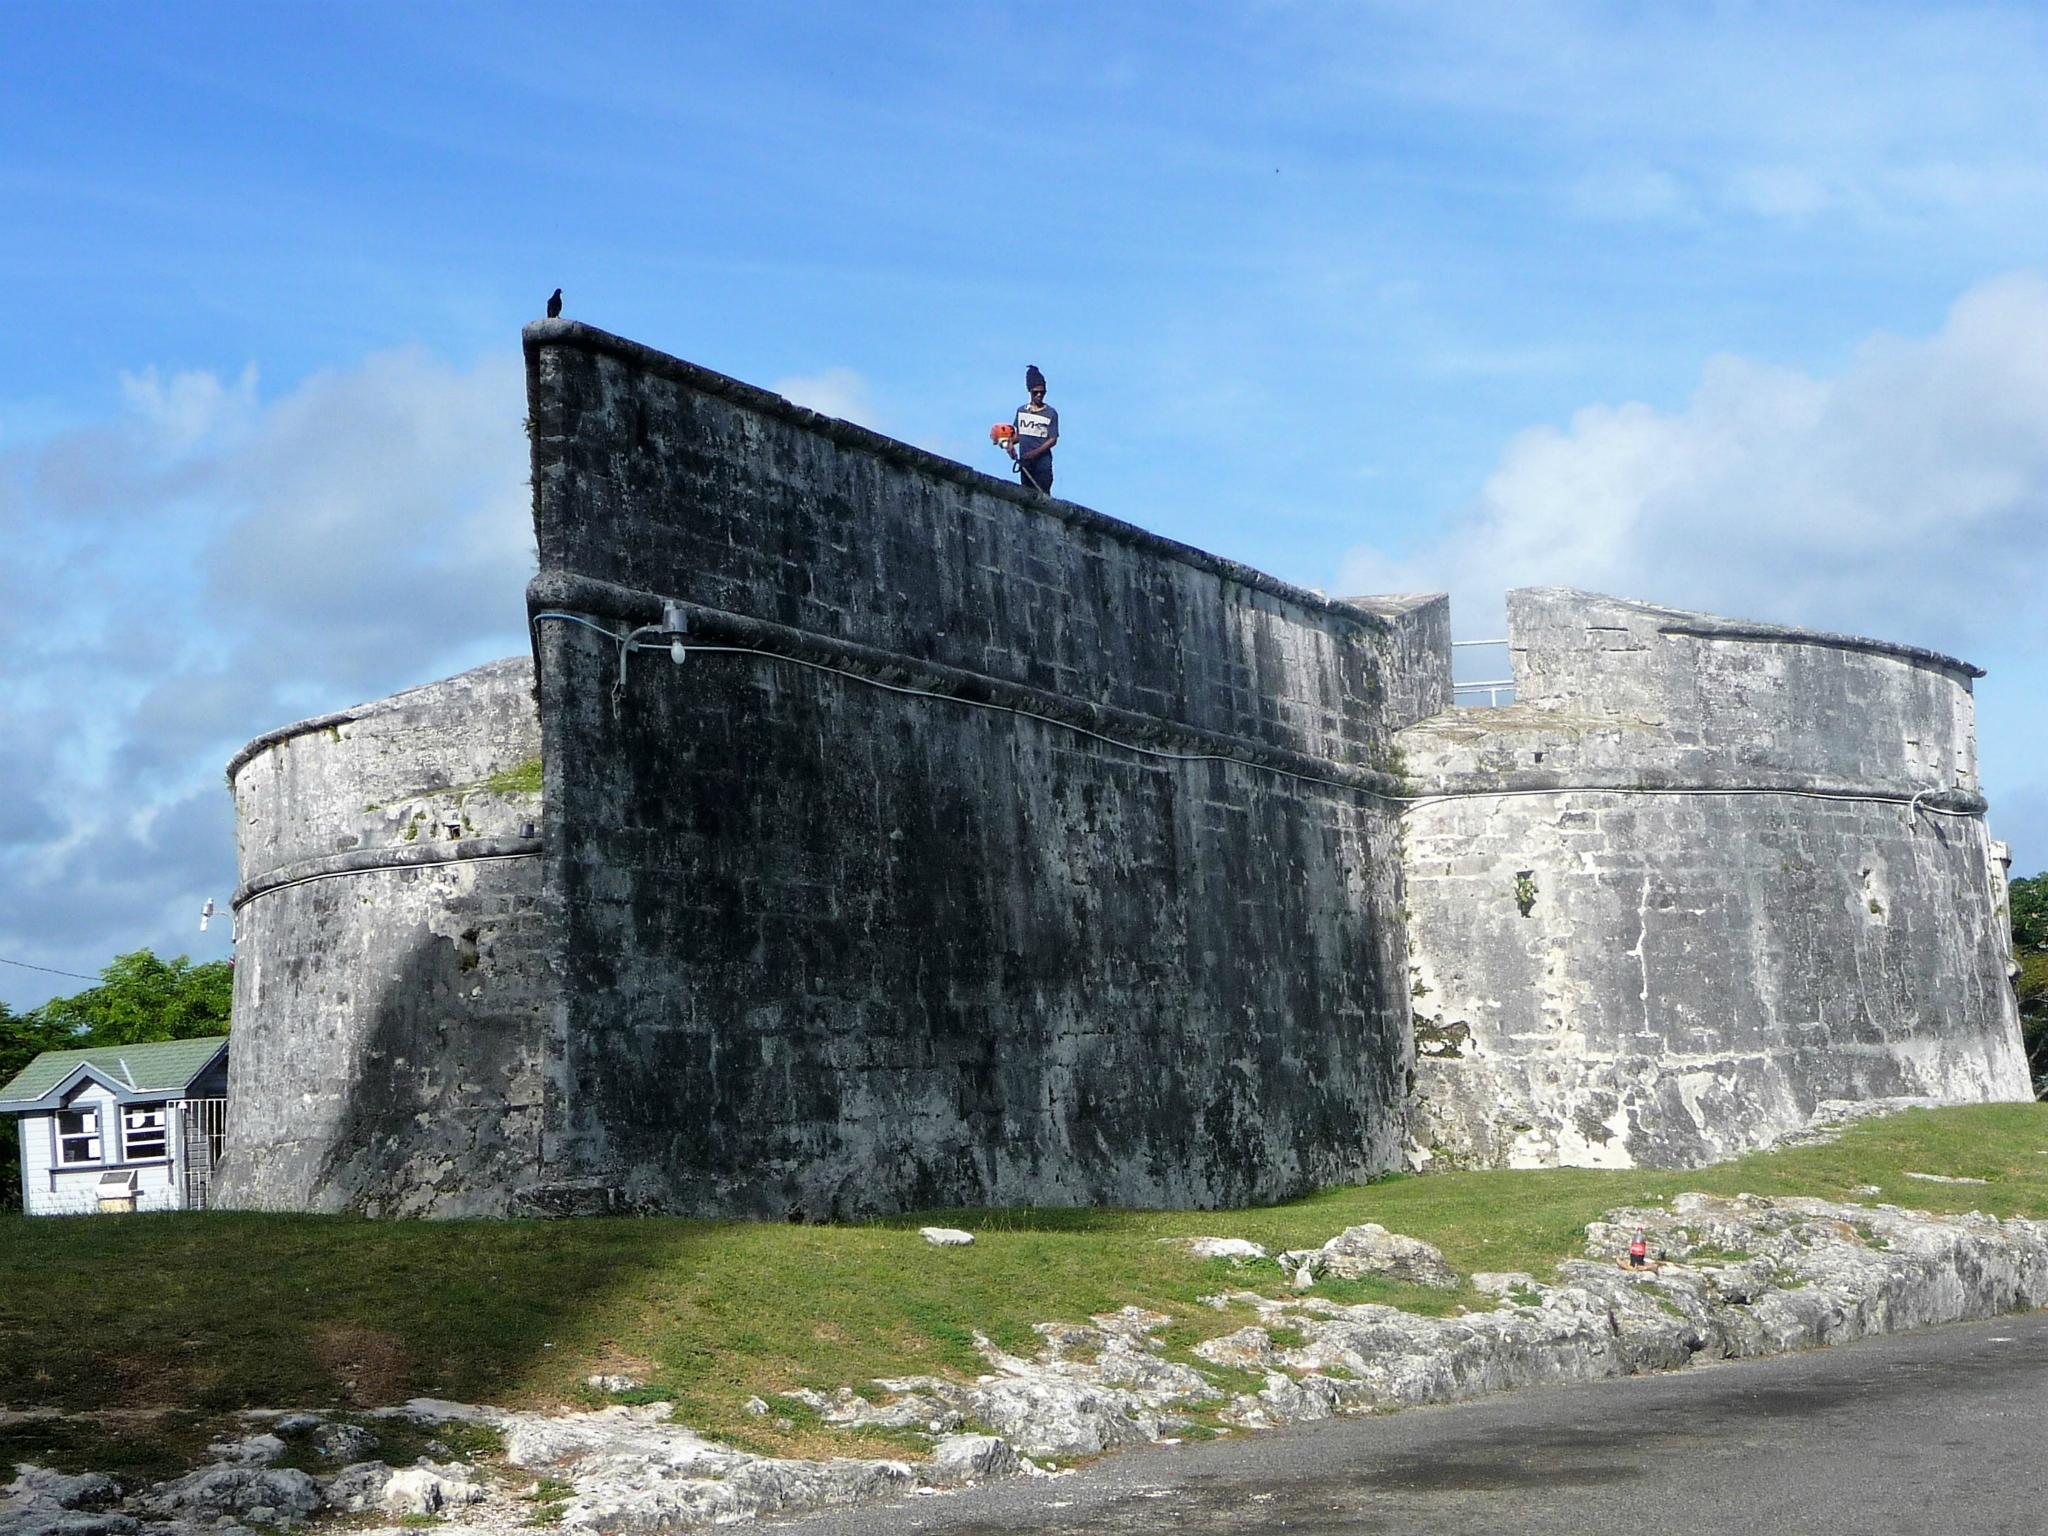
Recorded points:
865,834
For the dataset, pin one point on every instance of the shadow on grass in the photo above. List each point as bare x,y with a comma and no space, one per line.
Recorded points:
220,1311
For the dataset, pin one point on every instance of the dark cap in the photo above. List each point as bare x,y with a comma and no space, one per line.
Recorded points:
1033,379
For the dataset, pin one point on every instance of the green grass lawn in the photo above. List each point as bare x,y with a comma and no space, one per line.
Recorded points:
157,1326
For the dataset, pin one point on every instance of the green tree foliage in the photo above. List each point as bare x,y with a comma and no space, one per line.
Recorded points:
2030,949
139,998
22,1039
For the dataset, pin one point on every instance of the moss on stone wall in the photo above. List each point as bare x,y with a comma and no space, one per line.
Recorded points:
520,779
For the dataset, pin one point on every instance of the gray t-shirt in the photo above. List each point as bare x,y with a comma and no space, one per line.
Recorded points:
1034,426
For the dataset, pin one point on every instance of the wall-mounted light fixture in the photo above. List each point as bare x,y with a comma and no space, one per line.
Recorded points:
676,623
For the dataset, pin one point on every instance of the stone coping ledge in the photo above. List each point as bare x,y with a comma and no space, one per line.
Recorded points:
340,717
358,861
1951,801
540,334
283,733
1708,626
1781,634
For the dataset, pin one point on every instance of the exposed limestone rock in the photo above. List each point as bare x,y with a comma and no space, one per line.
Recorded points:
86,1491
1219,1247
360,1488
345,1443
1371,1249
427,1489
1503,1282
32,1519
250,1493
438,1410
1738,1277
846,1409
248,1451
633,1470
40,1502
961,1459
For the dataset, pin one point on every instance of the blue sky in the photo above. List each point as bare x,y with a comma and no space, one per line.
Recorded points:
1736,307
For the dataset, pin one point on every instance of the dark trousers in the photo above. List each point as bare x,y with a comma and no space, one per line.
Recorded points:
1037,472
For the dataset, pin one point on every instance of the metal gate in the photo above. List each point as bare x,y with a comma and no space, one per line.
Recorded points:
202,1133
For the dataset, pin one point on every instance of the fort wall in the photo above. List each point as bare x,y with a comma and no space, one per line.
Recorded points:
1699,878
901,839
985,851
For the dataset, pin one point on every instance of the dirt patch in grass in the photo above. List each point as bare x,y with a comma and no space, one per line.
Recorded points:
370,1366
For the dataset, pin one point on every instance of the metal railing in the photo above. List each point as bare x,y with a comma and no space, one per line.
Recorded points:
202,1136
1492,687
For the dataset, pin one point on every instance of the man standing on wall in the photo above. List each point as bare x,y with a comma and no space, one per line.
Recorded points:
1038,428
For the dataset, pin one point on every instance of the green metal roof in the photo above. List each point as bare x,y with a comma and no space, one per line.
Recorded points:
161,1066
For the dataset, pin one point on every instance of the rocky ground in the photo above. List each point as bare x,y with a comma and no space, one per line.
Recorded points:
1726,1278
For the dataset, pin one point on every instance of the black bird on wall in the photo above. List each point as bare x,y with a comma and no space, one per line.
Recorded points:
555,305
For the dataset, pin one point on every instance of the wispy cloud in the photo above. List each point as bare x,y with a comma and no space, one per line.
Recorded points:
205,566
841,392
1905,497
1884,113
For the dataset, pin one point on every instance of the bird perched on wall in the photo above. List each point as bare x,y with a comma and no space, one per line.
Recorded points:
555,305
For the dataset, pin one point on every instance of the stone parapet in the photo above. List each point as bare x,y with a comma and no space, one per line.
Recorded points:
1699,878
1739,702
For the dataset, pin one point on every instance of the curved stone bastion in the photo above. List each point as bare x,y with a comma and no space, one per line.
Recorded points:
1701,877
868,834
389,958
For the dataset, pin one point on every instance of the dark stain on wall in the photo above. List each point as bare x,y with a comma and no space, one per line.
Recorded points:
828,948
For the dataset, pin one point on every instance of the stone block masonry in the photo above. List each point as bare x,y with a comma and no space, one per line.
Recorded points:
984,850
391,990
987,851
1701,877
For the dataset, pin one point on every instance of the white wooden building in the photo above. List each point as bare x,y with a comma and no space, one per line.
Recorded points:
120,1128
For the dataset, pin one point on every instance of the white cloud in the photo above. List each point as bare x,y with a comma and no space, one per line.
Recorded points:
203,567
841,392
1906,497
1879,117
190,408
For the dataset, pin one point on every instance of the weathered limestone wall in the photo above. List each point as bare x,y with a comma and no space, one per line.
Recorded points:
985,850
1112,919
391,989
1701,876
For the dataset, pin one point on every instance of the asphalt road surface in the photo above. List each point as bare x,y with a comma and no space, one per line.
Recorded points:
1934,1432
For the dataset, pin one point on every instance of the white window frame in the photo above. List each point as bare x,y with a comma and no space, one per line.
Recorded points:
160,1132
94,1136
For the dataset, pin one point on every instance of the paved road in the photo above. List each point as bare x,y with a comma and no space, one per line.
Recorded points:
1936,1432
